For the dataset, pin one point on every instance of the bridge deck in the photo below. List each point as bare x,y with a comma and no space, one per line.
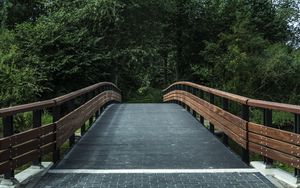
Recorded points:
150,136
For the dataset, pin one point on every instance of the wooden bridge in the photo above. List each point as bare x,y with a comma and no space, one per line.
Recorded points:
174,144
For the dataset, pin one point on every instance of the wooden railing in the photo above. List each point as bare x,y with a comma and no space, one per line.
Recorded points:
262,139
69,113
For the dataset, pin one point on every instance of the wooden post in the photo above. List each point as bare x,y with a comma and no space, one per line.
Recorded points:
188,108
268,122
56,117
246,117
201,95
97,114
212,101
194,113
8,130
297,130
37,122
225,107
72,140
91,121
82,130
70,109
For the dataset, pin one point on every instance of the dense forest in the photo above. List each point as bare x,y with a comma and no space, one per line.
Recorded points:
51,47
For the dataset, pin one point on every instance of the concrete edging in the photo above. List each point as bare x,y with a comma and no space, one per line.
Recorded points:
28,177
277,176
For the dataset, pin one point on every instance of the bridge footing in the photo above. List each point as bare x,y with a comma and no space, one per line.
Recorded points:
277,176
28,177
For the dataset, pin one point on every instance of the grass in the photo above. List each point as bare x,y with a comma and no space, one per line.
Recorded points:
46,118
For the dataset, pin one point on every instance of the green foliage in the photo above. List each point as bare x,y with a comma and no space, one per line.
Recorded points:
23,122
248,47
19,83
46,118
149,95
245,47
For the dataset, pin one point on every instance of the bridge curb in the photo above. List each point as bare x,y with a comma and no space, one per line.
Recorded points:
277,176
28,177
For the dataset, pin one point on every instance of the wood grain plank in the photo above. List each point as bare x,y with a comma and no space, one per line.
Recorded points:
230,96
211,117
276,155
4,155
25,158
217,110
243,100
225,122
284,147
26,107
274,133
74,120
274,106
4,166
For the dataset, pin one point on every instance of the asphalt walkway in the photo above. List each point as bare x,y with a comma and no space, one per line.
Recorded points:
150,145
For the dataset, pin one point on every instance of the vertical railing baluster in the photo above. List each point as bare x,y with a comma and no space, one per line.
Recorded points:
56,116
201,95
70,109
297,130
8,130
195,93
212,101
188,108
246,117
97,114
37,122
82,130
188,89
91,121
84,98
268,122
225,107
184,88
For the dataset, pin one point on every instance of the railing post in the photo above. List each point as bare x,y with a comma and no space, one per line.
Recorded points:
70,109
56,117
225,107
37,122
201,95
82,130
297,130
246,117
268,122
194,114
212,101
91,121
194,91
97,114
8,130
188,108
85,99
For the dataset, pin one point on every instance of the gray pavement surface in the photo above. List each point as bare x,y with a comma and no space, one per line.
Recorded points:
139,136
227,180
150,136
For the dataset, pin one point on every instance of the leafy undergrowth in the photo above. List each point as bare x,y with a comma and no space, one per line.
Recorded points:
150,95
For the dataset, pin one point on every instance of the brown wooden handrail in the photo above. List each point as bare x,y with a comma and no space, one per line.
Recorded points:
241,99
51,102
265,140
29,146
274,106
233,97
